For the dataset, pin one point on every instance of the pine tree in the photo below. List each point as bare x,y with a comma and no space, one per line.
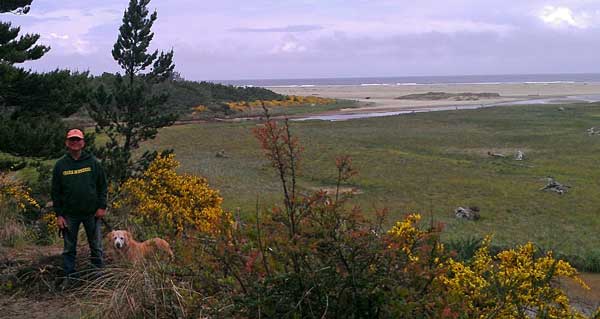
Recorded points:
32,104
129,112
15,6
13,50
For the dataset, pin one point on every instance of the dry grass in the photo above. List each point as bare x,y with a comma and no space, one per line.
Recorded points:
12,229
12,233
146,290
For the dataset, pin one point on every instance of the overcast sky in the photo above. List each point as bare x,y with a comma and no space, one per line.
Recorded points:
254,39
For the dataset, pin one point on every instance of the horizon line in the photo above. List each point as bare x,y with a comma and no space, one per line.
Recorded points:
399,76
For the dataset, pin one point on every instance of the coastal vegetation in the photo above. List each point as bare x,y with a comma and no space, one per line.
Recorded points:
130,111
432,163
152,199
285,219
186,96
313,253
288,101
21,49
32,104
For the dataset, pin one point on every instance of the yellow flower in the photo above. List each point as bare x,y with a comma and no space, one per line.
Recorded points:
513,280
406,234
11,190
50,220
171,200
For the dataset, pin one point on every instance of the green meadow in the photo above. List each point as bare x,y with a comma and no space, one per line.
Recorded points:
429,163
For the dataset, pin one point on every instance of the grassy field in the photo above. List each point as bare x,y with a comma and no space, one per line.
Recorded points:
430,163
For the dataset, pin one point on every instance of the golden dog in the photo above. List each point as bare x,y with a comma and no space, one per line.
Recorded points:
128,249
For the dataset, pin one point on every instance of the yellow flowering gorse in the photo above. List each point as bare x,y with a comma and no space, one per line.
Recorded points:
511,284
171,200
407,233
291,100
12,190
515,283
50,220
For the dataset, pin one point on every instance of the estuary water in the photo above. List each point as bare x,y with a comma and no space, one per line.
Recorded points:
555,100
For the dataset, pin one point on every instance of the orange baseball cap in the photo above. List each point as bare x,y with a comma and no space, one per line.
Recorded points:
75,133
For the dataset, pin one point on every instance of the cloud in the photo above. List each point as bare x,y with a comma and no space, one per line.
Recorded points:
70,31
53,35
316,38
420,26
563,16
288,47
289,29
82,46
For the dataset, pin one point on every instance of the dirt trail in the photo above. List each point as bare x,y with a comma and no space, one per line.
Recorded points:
583,299
52,307
47,306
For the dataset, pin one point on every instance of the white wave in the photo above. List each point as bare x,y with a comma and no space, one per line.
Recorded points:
475,83
549,82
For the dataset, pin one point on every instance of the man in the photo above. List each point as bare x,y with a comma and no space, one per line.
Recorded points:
79,190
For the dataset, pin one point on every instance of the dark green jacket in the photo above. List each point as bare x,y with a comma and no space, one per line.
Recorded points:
78,186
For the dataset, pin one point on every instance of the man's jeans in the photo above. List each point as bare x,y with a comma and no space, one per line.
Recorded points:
92,230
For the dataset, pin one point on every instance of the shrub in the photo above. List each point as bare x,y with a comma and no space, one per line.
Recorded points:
46,232
291,100
14,198
513,284
170,203
316,256
11,164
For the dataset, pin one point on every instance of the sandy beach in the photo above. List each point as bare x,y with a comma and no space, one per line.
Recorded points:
382,98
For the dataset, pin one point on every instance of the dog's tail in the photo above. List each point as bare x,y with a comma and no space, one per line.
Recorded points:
164,246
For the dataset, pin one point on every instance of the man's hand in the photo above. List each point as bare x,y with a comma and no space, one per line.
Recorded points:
61,222
100,212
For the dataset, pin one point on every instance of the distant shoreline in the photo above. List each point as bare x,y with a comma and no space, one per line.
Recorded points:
384,98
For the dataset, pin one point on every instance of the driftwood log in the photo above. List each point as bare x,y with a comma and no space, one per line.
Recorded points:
555,186
519,156
496,154
592,131
468,213
221,154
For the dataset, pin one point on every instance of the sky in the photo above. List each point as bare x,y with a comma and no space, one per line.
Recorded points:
271,39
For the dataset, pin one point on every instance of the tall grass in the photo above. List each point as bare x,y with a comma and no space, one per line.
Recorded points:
588,261
146,290
12,228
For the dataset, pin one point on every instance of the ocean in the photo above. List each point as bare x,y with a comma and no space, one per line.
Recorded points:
421,80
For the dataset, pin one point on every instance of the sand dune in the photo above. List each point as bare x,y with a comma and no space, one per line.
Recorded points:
383,98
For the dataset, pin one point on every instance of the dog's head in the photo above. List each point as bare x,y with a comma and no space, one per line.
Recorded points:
119,239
